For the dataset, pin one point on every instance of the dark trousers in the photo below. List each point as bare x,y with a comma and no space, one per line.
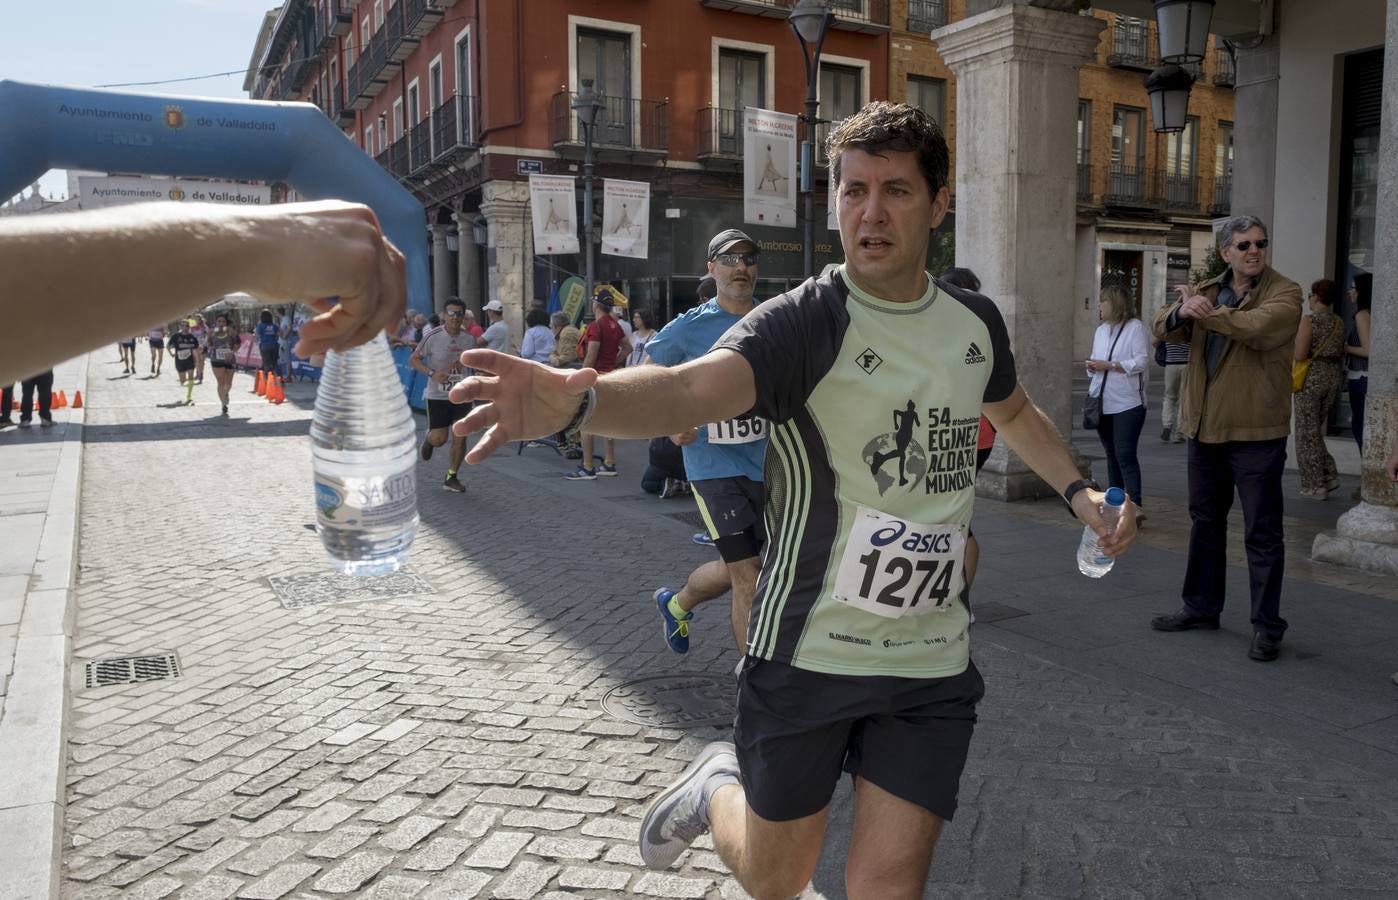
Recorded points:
43,383
1119,434
5,401
1358,390
1254,468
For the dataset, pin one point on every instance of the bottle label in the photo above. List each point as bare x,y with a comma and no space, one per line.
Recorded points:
365,502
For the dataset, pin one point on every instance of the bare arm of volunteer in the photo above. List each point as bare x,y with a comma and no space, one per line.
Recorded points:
524,399
154,262
1029,433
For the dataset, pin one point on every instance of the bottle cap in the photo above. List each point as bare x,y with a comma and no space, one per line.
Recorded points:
1116,497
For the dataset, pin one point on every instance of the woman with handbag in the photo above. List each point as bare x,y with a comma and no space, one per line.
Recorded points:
1116,395
1316,378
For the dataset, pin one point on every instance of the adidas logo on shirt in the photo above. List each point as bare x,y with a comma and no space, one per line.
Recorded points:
974,355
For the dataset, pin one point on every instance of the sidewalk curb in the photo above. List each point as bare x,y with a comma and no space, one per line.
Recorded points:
34,730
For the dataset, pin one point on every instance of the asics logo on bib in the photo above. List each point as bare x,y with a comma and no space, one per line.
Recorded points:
916,543
974,355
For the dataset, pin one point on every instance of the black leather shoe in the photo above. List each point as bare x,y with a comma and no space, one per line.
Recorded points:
1264,648
1184,620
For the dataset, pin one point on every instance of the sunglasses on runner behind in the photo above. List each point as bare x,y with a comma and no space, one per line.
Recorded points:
1245,246
732,259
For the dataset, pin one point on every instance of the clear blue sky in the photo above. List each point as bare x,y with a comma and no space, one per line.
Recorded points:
87,43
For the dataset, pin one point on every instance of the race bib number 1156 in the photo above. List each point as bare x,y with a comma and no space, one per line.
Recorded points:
743,430
893,568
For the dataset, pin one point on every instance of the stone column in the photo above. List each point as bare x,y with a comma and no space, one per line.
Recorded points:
442,281
1016,72
468,262
1255,131
1367,536
510,250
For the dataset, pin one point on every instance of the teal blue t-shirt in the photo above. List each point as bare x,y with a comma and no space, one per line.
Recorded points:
723,449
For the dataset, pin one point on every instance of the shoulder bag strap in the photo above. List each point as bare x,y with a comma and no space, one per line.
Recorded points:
1110,351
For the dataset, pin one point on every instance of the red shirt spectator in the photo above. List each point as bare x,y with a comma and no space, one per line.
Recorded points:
605,331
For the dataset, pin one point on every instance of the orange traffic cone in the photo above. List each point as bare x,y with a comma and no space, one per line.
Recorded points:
77,399
261,388
60,401
281,391
269,388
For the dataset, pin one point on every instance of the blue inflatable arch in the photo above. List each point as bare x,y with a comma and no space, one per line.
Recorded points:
44,127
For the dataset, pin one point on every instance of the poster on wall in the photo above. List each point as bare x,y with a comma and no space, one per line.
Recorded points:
625,218
769,168
555,214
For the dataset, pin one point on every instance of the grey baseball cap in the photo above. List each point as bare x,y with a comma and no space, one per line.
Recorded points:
725,239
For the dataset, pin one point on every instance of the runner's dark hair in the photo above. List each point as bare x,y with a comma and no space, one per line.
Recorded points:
882,126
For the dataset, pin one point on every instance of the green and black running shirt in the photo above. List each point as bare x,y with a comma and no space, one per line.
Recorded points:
870,472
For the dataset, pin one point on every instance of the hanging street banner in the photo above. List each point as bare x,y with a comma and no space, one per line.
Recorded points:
551,200
96,192
769,168
625,218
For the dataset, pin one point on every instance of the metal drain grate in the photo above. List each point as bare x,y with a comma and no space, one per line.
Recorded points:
297,591
131,669
672,701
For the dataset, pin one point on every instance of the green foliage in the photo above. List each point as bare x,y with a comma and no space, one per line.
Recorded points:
1212,267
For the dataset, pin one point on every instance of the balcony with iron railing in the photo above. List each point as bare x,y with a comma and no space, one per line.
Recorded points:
420,145
925,16
869,16
1133,45
420,16
637,126
720,134
339,17
454,125
1130,186
1223,196
367,76
1225,69
1085,194
1179,192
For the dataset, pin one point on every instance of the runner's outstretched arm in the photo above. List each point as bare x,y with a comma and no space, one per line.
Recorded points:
1029,433
526,400
108,273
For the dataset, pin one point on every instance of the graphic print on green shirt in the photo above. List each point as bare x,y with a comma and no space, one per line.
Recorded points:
870,471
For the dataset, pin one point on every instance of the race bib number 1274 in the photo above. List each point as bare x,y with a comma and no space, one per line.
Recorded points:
893,568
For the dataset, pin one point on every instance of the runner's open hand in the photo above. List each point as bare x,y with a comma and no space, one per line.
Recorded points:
522,399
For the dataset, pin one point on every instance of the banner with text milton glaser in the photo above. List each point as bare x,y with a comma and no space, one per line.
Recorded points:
769,168
625,218
555,210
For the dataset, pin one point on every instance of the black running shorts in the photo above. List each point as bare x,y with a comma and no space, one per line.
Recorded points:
441,413
797,730
732,511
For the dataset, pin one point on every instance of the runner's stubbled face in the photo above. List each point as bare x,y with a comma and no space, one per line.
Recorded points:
886,217
735,283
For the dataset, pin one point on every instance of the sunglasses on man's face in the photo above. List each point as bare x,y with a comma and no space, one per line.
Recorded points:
732,259
453,315
1245,246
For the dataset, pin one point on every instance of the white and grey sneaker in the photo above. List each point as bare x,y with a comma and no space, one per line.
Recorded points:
680,813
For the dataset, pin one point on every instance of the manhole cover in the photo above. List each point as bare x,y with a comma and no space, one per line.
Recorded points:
131,669
296,591
995,612
673,701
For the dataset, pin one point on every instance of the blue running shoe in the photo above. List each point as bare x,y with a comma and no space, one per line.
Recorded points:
702,539
676,630
582,474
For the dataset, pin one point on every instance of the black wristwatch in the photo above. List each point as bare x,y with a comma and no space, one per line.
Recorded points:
1071,490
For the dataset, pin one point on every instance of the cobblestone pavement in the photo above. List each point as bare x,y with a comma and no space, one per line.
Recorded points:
455,744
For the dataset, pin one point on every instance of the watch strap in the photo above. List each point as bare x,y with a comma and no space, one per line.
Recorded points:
1071,490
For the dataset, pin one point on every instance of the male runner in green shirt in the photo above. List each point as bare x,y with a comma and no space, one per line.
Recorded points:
858,658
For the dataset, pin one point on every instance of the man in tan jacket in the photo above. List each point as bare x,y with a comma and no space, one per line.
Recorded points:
1236,413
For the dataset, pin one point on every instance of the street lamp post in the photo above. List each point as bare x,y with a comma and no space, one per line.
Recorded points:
810,19
588,108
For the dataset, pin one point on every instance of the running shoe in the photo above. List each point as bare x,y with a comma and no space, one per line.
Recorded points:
671,488
676,630
46,423
702,539
225,411
606,469
680,813
452,483
23,423
425,451
572,453
582,474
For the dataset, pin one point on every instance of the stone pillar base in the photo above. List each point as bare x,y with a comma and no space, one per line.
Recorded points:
1366,538
1006,477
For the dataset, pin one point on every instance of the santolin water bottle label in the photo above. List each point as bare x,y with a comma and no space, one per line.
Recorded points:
365,502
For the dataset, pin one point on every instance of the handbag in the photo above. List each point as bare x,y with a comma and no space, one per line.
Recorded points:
1299,368
1092,406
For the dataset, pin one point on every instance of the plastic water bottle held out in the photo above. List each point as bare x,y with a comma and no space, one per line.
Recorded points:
363,447
1092,562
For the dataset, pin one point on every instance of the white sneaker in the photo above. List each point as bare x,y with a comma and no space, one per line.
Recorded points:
680,813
